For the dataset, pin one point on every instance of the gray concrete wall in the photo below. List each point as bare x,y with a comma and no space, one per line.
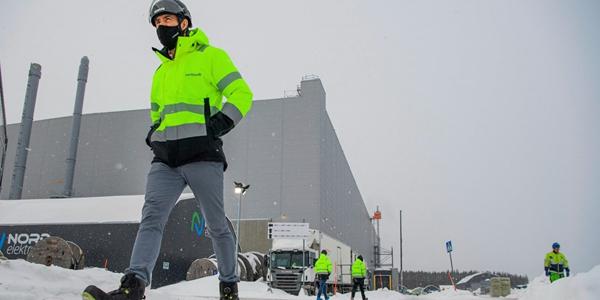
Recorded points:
276,151
343,212
286,149
112,158
253,235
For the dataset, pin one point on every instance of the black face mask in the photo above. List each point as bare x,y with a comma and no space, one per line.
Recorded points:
168,35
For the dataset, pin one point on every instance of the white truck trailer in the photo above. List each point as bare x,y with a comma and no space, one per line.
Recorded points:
291,263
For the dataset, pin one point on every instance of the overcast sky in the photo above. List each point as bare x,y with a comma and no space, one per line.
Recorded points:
479,119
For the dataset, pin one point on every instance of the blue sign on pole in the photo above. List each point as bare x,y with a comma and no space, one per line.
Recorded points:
449,246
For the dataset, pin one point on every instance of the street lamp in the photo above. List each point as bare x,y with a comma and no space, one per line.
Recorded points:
239,189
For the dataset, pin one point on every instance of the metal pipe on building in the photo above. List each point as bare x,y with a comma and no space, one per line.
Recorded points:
72,156
16,188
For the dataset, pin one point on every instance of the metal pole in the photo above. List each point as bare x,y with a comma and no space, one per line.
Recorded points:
451,265
374,243
451,271
237,235
303,257
377,254
16,188
401,267
4,136
237,240
72,157
340,265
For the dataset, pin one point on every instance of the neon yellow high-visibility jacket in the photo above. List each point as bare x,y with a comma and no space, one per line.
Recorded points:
556,262
198,71
323,265
359,269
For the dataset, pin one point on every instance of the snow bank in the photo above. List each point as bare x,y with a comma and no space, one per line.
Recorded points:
209,287
582,286
23,281
20,280
446,295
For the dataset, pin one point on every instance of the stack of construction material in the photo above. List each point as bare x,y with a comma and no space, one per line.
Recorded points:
499,286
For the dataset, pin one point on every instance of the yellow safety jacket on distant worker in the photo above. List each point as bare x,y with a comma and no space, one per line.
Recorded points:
323,265
556,262
359,269
186,91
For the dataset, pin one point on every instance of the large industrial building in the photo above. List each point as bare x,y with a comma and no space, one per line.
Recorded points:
286,149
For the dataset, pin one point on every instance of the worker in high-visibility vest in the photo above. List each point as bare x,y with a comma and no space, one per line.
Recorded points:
188,117
556,264
359,273
323,269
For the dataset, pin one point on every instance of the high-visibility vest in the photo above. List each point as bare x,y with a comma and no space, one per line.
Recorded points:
323,265
359,270
556,262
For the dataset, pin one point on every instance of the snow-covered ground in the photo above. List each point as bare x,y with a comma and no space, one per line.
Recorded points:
21,280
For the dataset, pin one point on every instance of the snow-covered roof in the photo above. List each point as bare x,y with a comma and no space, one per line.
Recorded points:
468,278
114,209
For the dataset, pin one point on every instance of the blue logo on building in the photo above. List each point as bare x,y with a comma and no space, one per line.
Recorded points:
2,240
198,224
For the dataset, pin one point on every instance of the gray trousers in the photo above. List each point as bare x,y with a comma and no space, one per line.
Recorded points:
163,188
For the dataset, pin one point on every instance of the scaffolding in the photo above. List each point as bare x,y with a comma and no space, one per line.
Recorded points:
384,258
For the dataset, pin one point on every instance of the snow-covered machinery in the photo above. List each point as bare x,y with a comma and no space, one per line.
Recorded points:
56,251
253,262
201,268
250,267
291,263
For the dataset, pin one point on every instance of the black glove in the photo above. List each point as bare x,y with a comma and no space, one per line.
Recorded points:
220,124
150,132
568,271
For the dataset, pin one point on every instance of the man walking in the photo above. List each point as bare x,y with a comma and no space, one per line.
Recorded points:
323,269
188,118
359,272
556,264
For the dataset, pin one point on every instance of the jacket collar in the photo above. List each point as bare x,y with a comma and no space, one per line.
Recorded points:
195,40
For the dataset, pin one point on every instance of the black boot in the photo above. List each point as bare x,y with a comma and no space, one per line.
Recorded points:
229,290
132,288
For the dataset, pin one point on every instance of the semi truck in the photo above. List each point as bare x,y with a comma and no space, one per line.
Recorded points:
291,263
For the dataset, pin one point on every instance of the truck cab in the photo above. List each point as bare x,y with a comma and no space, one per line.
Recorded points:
291,269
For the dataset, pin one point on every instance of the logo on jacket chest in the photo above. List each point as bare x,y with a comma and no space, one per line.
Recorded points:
193,74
